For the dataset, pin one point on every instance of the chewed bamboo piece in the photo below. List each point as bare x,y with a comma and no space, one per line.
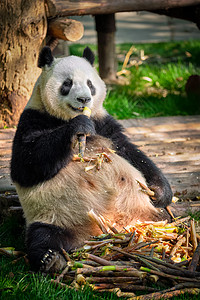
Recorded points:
97,220
193,234
96,160
82,137
145,189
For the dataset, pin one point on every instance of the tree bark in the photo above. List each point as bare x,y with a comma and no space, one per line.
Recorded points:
23,27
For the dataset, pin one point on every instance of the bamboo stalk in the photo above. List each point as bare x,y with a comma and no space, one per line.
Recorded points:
66,269
144,244
193,234
97,220
112,279
165,275
97,259
170,212
82,137
178,244
145,189
66,255
180,221
195,259
85,158
123,269
131,239
89,262
170,266
112,228
124,286
167,294
148,264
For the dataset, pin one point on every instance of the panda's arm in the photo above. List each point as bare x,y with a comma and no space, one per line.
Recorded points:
43,145
110,128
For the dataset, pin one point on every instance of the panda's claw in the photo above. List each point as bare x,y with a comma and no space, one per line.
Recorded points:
52,261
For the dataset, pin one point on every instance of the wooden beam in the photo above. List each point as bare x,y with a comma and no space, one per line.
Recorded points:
94,7
65,29
191,13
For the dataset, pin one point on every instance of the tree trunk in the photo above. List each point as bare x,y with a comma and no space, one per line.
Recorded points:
23,27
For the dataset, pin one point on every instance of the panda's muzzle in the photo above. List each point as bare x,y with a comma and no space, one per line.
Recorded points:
83,100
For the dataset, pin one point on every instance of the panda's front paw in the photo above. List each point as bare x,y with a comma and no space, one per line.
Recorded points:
52,262
82,125
163,195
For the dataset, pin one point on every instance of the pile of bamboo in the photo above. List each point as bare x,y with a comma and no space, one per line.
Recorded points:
158,259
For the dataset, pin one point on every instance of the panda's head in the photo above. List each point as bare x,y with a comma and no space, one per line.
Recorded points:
66,85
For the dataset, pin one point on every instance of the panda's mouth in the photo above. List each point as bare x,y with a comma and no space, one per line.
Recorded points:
80,109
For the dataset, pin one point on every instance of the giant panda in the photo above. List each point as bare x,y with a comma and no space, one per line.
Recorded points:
56,193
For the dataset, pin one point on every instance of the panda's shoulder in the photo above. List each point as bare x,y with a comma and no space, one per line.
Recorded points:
32,118
107,124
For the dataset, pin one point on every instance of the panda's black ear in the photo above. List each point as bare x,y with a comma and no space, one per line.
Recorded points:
89,55
45,57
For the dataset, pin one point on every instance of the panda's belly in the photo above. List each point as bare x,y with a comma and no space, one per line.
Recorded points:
66,199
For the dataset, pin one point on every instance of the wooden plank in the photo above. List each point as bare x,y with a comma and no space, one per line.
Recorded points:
94,7
176,136
149,122
164,128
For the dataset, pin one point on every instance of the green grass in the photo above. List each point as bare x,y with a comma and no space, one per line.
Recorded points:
167,69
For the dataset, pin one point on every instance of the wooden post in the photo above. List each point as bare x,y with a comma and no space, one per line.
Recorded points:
105,27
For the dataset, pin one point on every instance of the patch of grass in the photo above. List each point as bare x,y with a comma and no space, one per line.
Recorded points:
156,86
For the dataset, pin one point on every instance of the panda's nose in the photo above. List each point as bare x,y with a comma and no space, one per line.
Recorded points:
84,99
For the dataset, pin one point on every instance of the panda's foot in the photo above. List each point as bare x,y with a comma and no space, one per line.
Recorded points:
52,262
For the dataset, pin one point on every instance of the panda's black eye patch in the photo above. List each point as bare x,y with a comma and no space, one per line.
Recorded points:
66,86
91,87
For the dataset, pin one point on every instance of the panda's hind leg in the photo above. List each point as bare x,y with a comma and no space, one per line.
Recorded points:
45,243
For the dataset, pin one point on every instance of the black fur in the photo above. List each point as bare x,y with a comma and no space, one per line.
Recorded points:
91,86
89,55
42,145
66,87
45,57
44,237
